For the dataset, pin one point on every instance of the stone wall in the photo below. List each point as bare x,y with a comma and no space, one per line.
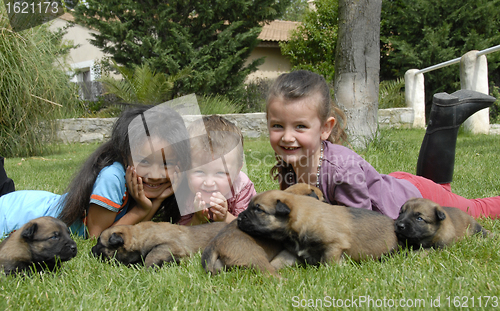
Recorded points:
396,117
86,130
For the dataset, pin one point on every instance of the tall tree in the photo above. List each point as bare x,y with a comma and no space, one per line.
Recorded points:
421,33
312,44
296,10
213,38
357,66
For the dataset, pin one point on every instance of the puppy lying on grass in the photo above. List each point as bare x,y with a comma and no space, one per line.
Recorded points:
153,243
42,243
234,248
423,223
318,232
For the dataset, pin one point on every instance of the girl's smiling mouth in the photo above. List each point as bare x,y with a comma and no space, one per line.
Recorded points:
154,186
289,148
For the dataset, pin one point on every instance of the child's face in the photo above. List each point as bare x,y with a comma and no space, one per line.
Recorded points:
215,176
295,129
154,167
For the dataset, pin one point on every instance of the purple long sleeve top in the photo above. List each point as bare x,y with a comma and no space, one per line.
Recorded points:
347,179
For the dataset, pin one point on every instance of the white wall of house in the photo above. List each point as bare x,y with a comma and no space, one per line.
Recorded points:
83,58
274,63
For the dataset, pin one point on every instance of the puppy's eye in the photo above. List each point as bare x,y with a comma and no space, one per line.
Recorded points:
420,218
55,236
257,208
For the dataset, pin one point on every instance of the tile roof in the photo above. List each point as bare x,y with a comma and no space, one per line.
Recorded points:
67,17
277,30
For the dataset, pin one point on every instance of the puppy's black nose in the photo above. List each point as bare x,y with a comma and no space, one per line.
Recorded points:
400,226
242,216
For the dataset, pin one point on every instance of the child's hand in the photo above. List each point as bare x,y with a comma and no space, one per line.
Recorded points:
203,214
169,190
136,190
218,207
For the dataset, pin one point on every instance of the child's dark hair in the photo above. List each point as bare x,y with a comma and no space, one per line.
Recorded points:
297,85
117,149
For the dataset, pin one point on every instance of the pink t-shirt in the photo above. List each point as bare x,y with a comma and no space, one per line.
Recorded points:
244,190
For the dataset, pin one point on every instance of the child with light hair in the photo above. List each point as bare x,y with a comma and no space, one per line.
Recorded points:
219,188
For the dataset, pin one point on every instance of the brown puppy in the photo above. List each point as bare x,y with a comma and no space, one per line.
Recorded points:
42,243
235,248
306,189
423,223
318,232
153,242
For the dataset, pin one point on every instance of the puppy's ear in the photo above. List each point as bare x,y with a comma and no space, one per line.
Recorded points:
29,232
314,195
116,240
402,209
440,214
282,209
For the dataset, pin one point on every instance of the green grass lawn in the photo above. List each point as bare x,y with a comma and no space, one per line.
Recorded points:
463,275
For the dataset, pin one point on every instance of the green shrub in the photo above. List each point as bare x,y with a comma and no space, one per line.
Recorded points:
495,108
142,84
34,88
106,106
391,94
217,104
254,99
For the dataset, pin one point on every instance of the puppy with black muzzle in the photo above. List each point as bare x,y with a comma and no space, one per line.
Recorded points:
153,243
43,243
423,223
235,248
318,232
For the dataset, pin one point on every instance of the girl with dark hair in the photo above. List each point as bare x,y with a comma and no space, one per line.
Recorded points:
128,179
306,133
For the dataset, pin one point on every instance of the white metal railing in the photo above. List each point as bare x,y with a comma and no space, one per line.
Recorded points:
473,76
457,60
441,65
489,50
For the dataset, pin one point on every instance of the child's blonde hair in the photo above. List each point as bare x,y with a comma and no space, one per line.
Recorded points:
294,86
222,136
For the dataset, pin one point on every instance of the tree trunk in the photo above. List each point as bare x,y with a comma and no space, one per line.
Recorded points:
357,66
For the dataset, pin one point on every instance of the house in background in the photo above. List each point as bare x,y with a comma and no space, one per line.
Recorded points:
85,56
274,63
